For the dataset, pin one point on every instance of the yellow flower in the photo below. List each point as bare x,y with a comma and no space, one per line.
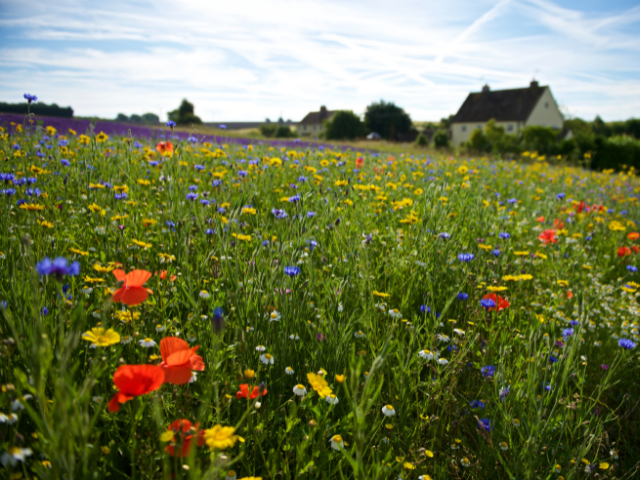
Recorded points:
409,466
46,224
616,226
340,183
167,436
418,191
340,378
563,283
142,244
240,236
463,170
250,211
51,130
79,252
221,438
102,137
31,207
604,466
496,289
249,374
88,279
521,254
428,453
142,181
380,294
319,384
100,337
99,268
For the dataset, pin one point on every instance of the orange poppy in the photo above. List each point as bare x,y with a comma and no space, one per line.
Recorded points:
633,236
548,236
559,224
163,275
244,392
501,303
178,360
540,219
359,163
182,427
133,381
164,147
132,291
624,251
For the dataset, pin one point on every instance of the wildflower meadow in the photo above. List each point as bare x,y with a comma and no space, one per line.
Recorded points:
187,307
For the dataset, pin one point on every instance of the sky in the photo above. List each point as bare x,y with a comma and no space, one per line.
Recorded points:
256,59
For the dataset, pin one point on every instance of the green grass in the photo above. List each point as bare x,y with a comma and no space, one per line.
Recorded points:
369,259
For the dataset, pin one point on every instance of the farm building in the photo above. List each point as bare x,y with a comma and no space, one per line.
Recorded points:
312,123
512,109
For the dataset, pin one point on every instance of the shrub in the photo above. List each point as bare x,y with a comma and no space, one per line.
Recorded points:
37,108
268,129
184,114
422,140
478,141
283,131
543,140
441,139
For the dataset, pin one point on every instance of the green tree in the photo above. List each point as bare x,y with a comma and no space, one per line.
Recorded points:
422,140
541,139
344,124
135,118
478,141
150,118
387,119
121,117
283,131
184,114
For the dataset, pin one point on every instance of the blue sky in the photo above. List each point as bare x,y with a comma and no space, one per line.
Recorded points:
247,60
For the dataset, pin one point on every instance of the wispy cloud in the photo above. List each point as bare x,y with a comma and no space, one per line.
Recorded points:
253,59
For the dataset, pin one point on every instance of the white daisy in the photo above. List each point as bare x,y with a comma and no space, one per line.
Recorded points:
260,348
266,358
336,442
426,354
125,340
388,411
15,455
294,337
204,294
300,390
160,328
331,399
289,371
275,316
358,334
443,361
147,342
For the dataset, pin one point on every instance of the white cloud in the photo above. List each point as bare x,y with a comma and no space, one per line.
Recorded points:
252,59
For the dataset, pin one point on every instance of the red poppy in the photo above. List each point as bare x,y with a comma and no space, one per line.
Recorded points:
182,427
633,236
540,219
582,207
163,276
635,248
569,294
501,303
624,251
244,392
359,162
559,224
178,360
164,147
132,291
133,381
548,236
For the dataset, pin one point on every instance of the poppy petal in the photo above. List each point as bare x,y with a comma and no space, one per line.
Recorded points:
120,275
169,345
179,358
136,278
134,296
177,375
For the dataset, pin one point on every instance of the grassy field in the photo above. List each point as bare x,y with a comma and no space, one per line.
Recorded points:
224,311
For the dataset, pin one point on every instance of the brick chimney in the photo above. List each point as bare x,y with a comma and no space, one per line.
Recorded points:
534,84
486,88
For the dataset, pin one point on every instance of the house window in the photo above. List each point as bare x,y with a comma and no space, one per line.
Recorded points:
509,128
464,128
546,105
478,127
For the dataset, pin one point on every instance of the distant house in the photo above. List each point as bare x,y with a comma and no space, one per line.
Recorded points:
312,123
512,109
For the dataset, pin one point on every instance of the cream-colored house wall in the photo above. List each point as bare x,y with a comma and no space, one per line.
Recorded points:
546,112
460,135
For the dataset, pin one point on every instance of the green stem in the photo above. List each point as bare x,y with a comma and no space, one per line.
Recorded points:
133,438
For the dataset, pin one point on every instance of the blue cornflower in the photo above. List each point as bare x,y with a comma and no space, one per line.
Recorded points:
560,196
632,269
279,213
265,243
205,202
65,162
487,303
462,296
477,404
311,214
312,244
58,267
445,236
626,343
466,257
566,333
504,391
121,196
553,359
424,309
217,322
199,167
488,371
170,224
504,235
291,271
171,124
193,188
44,311
30,98
242,173
484,423
192,196
209,231
495,253
216,183
302,179
294,199
511,201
